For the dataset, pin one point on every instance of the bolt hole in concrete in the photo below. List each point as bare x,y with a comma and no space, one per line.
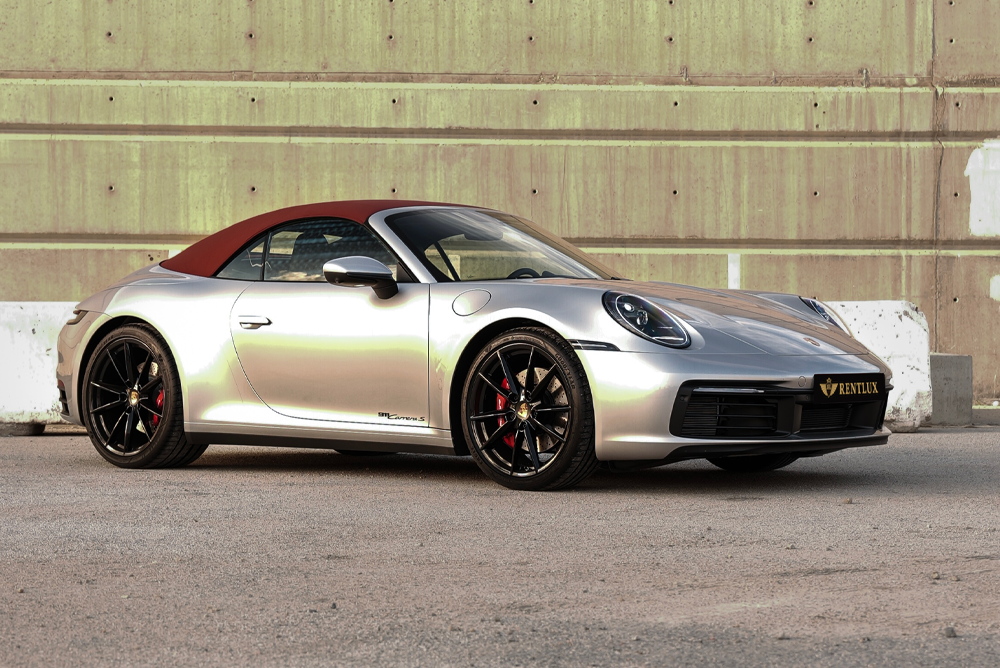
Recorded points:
110,188
955,299
958,104
394,100
815,193
534,102
952,40
534,192
675,103
111,98
675,192
253,189
253,99
390,38
109,33
815,104
670,39
393,190
250,35
531,38
810,39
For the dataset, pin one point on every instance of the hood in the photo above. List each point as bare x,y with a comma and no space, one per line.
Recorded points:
739,321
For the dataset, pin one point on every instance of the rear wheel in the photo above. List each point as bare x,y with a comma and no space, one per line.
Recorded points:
753,463
132,402
527,412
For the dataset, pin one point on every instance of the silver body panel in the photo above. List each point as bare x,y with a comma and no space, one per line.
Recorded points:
321,365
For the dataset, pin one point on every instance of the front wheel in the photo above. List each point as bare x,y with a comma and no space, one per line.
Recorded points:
527,412
753,463
132,402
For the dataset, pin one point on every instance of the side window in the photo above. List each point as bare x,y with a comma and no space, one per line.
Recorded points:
247,265
297,252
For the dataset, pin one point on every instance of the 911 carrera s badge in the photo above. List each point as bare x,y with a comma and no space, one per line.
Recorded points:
848,388
393,416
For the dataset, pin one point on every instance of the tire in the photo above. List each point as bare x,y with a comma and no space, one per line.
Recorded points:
753,463
532,433
132,405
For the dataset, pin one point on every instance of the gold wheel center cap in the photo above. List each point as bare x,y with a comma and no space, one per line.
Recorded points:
523,411
133,397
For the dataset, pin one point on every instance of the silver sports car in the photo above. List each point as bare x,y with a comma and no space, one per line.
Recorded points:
386,326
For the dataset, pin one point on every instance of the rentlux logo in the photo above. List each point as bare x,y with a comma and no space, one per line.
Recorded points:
393,416
830,388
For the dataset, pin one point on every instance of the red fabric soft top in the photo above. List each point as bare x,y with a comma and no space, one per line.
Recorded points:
205,257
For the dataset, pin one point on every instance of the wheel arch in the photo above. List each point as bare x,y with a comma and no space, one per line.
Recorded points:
472,348
95,338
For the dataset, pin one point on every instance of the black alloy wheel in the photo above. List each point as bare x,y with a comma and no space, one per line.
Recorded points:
527,412
753,463
132,402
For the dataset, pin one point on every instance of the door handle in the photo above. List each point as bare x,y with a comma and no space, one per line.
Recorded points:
253,321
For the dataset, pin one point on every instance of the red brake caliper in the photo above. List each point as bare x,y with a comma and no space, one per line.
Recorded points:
159,407
502,405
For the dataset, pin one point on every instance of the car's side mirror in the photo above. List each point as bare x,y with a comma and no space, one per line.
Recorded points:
358,271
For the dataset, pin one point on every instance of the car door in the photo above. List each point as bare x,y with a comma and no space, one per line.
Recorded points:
325,352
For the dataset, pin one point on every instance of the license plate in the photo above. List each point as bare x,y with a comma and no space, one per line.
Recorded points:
848,387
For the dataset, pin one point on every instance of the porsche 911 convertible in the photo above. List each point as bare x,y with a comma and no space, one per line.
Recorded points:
386,326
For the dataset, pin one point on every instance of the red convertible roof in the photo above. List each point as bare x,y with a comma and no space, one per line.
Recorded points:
205,257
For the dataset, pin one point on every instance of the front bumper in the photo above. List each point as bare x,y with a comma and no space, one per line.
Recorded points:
634,395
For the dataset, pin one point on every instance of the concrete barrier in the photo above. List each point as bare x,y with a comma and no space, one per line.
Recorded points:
28,334
895,331
951,380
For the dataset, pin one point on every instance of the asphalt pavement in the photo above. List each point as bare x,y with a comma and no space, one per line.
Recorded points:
252,556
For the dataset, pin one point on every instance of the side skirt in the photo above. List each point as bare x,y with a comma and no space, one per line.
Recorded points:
217,438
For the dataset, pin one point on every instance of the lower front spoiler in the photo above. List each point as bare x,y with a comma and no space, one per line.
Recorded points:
799,448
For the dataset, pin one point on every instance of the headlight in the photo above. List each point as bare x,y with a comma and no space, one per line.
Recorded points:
77,317
642,317
827,314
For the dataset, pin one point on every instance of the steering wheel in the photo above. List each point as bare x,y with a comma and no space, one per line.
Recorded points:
524,271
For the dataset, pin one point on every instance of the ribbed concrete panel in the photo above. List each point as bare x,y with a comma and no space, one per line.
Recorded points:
642,190
966,39
788,38
335,108
68,273
706,270
835,276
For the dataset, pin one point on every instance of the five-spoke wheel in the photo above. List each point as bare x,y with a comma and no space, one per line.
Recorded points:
528,417
132,403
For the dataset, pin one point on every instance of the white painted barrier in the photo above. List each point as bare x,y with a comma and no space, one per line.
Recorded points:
28,334
898,333
895,331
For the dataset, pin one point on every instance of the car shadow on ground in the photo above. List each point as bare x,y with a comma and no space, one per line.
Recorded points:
697,477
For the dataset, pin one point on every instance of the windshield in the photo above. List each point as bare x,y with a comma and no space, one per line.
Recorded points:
471,245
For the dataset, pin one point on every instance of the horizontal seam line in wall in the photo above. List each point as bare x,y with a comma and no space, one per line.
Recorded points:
766,80
986,247
300,134
640,244
533,86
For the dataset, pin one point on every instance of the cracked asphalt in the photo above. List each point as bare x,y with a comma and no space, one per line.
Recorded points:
272,557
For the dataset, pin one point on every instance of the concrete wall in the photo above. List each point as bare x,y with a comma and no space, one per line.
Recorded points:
837,149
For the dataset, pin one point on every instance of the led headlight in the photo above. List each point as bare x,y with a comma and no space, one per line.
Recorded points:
642,317
827,314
